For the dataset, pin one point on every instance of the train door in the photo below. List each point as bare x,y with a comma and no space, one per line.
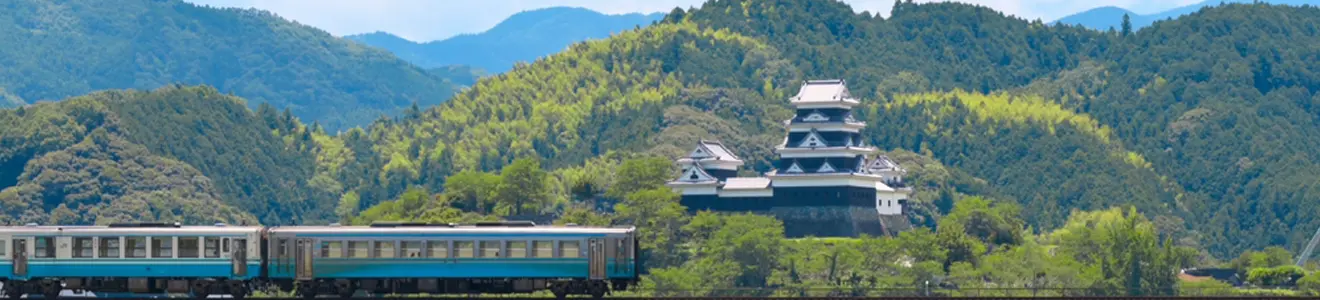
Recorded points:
596,258
239,257
20,257
302,259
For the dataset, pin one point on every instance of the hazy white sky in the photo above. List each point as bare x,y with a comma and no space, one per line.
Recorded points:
426,20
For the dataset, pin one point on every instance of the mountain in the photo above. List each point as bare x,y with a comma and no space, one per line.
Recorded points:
1202,129
525,36
59,49
188,154
1103,18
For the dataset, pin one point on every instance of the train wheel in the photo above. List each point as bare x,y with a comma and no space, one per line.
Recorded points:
559,289
201,289
307,290
13,289
237,289
50,289
598,289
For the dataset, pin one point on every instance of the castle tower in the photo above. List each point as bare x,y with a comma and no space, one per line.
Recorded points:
824,182
824,158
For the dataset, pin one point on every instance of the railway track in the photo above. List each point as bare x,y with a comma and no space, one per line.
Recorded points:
813,298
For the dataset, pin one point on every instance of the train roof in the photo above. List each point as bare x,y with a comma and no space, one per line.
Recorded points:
139,228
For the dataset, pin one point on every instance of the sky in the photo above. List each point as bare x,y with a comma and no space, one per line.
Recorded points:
428,20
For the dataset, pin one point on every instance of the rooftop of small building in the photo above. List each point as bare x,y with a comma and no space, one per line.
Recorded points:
712,149
823,91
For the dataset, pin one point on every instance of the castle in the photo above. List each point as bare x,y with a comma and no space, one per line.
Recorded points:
824,182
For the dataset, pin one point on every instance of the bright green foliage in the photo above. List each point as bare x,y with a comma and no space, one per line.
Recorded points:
1128,251
1011,141
1276,276
641,174
1270,257
523,188
58,49
1310,284
996,224
659,218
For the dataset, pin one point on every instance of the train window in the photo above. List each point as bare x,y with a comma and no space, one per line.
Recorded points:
188,247
137,247
358,249
2,250
45,247
224,245
518,249
412,249
490,249
438,249
333,249
463,249
211,245
569,249
82,247
109,247
162,247
282,248
384,249
543,249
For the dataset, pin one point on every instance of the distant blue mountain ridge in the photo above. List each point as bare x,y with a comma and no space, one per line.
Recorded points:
525,36
1103,18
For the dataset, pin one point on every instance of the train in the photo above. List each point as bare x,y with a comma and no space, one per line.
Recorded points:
310,261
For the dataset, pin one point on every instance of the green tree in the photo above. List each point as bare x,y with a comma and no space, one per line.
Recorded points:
641,174
523,188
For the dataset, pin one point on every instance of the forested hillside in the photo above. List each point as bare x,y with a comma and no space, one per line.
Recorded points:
186,154
1023,139
1069,134
64,48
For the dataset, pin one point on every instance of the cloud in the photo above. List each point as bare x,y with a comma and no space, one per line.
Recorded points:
426,20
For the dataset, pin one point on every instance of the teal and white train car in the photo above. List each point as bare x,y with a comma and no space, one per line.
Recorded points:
445,259
133,258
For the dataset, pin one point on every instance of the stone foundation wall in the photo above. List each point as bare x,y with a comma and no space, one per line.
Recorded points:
834,221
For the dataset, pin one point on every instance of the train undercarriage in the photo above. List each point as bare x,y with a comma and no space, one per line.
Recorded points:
50,288
350,287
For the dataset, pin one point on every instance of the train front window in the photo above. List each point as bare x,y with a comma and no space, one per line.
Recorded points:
211,245
438,249
137,247
543,249
82,247
188,247
109,247
162,247
412,249
45,247
569,249
518,249
333,249
358,249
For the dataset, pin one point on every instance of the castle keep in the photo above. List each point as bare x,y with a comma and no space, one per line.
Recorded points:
824,182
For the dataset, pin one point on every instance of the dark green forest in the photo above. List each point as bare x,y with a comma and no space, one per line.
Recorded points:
1037,151
63,48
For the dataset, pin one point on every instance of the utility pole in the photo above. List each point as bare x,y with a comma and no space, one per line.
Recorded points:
1301,257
